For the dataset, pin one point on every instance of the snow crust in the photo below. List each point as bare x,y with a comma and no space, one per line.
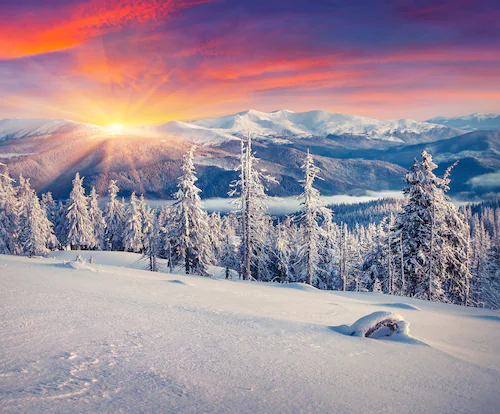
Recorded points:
122,339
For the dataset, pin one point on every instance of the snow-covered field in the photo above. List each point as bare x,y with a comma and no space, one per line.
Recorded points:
105,337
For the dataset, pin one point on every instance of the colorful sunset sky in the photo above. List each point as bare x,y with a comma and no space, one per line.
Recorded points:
151,61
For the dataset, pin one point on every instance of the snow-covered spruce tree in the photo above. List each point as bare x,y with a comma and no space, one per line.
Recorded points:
50,206
490,280
97,220
435,242
9,213
151,239
312,213
114,216
252,207
328,267
374,264
190,232
132,233
61,223
36,236
228,249
79,226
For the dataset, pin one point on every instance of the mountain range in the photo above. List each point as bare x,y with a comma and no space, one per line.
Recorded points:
356,154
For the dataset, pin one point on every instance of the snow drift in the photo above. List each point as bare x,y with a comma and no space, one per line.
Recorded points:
377,325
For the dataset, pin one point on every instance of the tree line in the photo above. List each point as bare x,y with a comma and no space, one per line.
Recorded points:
424,247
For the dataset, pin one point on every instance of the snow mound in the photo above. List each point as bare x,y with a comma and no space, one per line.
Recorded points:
300,286
400,305
80,266
377,325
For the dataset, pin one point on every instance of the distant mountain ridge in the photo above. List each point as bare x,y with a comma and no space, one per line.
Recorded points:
284,124
355,154
472,122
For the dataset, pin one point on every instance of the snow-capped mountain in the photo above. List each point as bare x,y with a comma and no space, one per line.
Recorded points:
16,128
472,122
356,154
284,124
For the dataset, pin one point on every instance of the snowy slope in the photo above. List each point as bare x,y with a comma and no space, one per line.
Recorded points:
284,123
102,338
16,128
472,122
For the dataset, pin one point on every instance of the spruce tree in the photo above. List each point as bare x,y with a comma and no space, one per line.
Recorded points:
133,234
114,216
97,220
189,234
36,236
9,213
252,206
312,212
434,237
80,231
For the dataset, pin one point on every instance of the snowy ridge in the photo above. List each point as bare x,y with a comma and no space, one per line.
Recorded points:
17,128
285,123
472,122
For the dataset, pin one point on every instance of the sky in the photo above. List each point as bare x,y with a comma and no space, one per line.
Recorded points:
138,62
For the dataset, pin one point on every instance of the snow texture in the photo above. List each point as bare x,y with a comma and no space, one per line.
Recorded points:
125,340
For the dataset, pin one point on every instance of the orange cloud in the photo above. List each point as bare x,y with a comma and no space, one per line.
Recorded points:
50,30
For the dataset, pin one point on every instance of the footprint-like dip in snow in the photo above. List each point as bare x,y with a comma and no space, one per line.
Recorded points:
399,305
378,325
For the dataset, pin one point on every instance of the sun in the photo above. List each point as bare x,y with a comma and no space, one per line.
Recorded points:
116,128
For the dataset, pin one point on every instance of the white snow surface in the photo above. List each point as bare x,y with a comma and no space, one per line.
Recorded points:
285,123
106,337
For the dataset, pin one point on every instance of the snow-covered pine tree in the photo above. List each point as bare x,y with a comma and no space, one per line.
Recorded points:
132,233
61,223
9,213
435,240
375,262
190,233
114,216
490,280
152,238
50,206
312,213
97,220
80,229
252,206
328,268
228,250
36,236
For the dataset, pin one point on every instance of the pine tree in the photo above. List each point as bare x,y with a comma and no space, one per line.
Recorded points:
252,206
80,232
312,212
114,216
151,239
434,237
490,280
133,234
9,214
97,220
35,235
190,233
228,257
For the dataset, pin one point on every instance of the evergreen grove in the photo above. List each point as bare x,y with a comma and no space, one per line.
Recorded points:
426,248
